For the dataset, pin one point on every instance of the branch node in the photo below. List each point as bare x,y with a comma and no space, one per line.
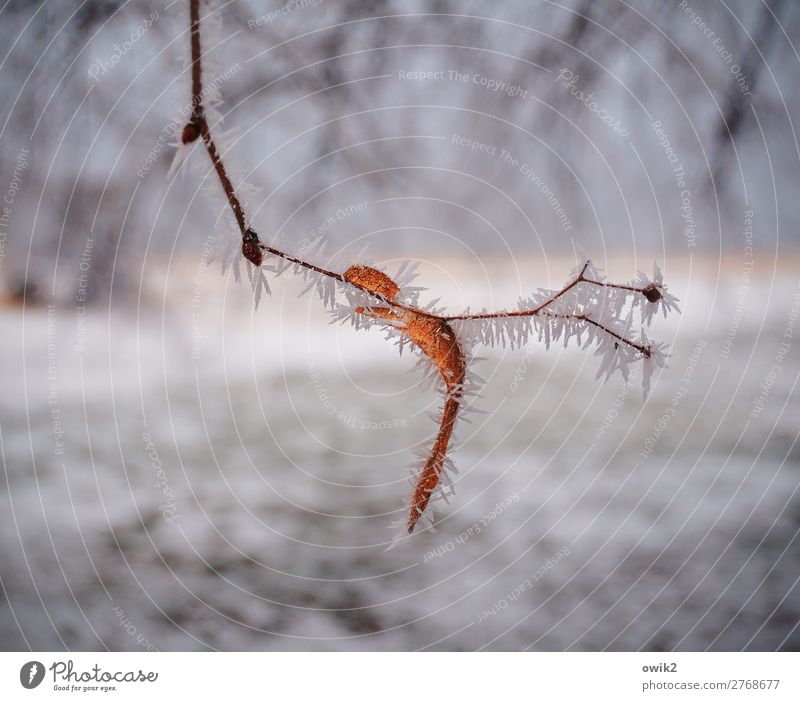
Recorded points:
251,247
652,293
191,132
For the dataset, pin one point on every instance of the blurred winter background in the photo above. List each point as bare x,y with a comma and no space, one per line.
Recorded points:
184,471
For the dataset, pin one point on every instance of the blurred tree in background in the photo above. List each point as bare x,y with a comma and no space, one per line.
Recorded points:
460,124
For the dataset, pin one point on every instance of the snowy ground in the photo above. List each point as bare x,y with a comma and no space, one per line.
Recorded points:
241,498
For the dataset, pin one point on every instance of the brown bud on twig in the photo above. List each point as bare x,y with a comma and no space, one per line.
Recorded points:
251,248
190,133
652,293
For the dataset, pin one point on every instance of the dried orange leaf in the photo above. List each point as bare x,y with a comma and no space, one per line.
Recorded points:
437,340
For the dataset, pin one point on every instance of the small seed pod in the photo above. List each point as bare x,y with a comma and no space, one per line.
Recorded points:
190,133
652,293
251,248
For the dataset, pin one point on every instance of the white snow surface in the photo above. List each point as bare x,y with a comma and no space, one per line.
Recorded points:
228,477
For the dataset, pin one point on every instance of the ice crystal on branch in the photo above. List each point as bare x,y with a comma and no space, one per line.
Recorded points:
594,313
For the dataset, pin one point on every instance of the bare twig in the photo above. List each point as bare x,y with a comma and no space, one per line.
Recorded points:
646,351
648,291
431,333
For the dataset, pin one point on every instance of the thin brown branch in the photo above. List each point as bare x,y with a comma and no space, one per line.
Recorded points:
617,286
200,122
644,350
526,312
251,242
650,291
197,66
227,185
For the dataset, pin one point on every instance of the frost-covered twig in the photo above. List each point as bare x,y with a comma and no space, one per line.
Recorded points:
587,308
